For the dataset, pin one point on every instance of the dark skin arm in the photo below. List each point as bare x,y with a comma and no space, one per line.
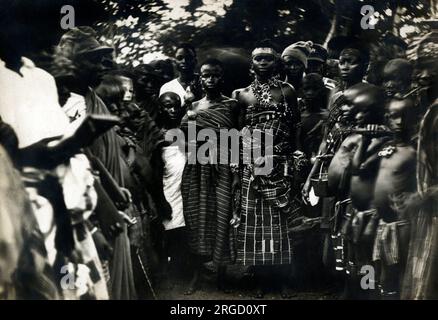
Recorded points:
367,152
240,108
316,166
360,155
291,100
236,112
240,112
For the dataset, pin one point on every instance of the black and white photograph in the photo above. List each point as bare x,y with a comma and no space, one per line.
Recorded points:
237,151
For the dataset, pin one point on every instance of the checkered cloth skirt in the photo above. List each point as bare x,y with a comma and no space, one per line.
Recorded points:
262,237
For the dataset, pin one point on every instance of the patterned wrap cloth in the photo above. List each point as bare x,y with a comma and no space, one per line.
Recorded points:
206,192
262,237
387,243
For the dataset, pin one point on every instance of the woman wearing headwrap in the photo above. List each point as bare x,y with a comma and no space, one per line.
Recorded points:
294,58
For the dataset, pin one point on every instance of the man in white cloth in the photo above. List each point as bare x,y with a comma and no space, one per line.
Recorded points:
187,85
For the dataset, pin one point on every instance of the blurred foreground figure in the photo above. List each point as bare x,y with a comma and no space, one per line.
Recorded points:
294,58
421,273
59,186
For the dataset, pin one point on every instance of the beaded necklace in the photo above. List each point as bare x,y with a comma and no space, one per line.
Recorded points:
262,91
263,95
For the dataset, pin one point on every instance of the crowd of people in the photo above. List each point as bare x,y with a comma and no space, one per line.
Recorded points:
122,213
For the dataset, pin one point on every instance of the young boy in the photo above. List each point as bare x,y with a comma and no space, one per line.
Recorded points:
357,177
396,180
364,105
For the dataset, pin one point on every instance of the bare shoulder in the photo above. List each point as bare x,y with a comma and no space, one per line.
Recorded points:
195,104
376,143
235,94
240,94
352,140
289,94
287,88
230,102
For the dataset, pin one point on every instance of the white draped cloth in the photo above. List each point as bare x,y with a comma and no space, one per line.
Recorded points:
174,162
175,87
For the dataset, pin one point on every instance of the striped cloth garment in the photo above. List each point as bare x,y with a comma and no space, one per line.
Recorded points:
207,198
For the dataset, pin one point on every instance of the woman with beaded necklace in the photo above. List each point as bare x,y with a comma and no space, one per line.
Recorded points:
268,108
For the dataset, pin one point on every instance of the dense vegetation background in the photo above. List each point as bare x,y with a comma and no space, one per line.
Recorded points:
143,29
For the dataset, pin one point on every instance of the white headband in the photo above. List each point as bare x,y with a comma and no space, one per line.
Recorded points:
258,51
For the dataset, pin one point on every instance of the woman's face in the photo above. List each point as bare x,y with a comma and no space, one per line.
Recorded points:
211,77
294,67
350,66
264,65
171,107
185,61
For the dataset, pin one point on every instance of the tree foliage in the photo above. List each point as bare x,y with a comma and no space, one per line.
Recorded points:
140,30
